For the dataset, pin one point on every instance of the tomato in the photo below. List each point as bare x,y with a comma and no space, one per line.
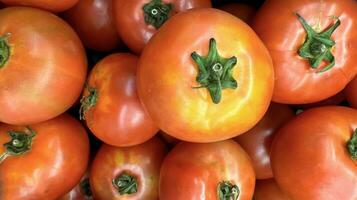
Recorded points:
50,5
334,100
310,42
200,79
257,141
93,20
314,155
138,20
210,171
110,104
81,191
42,161
42,69
268,190
351,93
244,12
128,172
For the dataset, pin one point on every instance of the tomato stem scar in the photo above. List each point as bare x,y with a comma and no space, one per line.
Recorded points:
87,102
227,191
352,145
156,13
125,184
4,50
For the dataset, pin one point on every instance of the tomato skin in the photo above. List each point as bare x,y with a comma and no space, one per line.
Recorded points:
130,23
334,100
143,161
50,5
268,190
93,21
296,82
166,78
257,141
243,11
310,153
351,93
29,94
118,117
193,171
59,149
78,193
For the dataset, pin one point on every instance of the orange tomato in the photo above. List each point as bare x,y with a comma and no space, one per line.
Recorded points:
205,80
268,190
50,5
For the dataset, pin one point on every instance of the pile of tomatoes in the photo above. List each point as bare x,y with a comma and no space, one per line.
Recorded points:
178,100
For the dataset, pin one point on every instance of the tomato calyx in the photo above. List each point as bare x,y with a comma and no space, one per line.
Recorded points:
317,46
227,191
156,13
126,184
87,102
20,143
4,50
352,146
215,72
85,188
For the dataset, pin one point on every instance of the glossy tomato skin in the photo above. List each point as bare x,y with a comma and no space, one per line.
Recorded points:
351,93
142,161
257,141
243,11
309,155
268,190
50,5
46,70
166,79
117,118
93,21
296,82
130,20
54,165
193,171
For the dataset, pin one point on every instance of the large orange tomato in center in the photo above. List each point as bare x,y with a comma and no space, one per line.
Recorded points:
205,76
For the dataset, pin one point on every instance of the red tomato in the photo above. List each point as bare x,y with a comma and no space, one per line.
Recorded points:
110,104
138,20
351,93
200,82
42,161
257,141
50,5
314,155
93,20
42,69
268,190
128,172
244,12
334,100
211,171
81,191
310,42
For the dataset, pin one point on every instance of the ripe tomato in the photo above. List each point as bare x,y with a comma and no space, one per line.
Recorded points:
42,161
110,104
93,20
314,155
138,20
81,191
128,172
351,93
268,190
334,100
243,11
310,42
257,141
42,69
210,171
50,5
205,80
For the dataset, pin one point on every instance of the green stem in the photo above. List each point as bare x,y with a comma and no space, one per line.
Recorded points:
227,191
156,13
215,72
352,146
87,102
317,46
4,50
126,184
20,143
85,188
